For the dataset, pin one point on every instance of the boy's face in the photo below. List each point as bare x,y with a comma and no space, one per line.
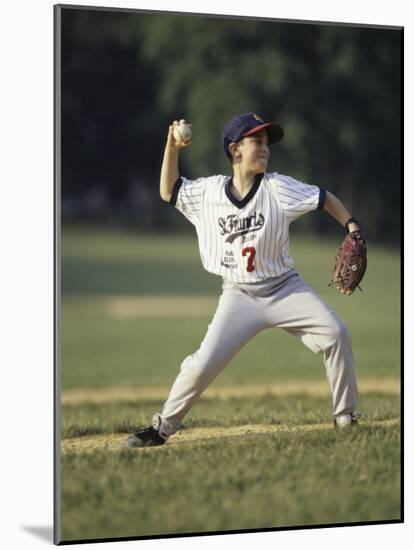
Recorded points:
253,152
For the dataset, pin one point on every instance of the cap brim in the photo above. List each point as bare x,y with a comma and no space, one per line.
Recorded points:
274,129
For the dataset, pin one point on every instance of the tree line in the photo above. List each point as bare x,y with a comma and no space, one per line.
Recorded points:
336,90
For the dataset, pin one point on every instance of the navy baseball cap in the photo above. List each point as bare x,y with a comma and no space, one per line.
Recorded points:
246,125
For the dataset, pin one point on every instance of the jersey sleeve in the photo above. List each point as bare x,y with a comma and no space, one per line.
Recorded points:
297,198
187,197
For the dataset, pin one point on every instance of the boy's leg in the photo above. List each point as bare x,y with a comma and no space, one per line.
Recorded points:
301,311
237,319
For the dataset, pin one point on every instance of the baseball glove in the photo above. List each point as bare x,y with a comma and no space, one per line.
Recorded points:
350,263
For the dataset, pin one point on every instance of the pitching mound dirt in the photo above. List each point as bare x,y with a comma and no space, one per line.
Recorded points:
117,442
137,307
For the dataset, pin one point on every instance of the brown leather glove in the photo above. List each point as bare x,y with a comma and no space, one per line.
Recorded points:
350,263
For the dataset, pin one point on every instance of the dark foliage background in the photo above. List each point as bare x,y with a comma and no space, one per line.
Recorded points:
126,75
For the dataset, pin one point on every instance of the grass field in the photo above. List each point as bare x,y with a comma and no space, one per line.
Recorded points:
258,451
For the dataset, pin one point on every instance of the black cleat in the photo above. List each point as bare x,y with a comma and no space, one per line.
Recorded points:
147,437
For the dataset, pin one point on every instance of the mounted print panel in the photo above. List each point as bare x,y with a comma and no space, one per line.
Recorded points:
208,169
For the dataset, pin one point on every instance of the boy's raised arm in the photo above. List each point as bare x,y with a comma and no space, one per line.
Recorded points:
169,168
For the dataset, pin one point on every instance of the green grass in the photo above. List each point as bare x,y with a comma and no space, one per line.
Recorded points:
260,481
119,417
283,479
101,263
101,352
98,350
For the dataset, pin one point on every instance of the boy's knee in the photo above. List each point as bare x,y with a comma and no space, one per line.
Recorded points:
337,333
339,329
326,337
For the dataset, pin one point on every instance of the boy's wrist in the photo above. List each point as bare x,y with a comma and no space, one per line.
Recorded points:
173,149
351,225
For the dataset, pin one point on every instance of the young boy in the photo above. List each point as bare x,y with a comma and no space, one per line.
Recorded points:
242,224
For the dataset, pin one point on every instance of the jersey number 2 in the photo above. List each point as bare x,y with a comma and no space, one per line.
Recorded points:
251,251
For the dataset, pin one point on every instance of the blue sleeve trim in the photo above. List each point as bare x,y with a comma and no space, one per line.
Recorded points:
322,196
175,191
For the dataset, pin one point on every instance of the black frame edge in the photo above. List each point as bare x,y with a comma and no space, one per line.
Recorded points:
56,270
229,16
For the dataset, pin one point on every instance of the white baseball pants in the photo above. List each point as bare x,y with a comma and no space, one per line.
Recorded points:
292,306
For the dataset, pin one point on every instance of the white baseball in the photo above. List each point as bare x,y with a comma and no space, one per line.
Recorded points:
182,132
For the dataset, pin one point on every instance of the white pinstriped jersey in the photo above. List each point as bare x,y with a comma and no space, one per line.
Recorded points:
245,241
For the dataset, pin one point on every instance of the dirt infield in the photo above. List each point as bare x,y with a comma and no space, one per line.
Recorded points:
117,442
314,388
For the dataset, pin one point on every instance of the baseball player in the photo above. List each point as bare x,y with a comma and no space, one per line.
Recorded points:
242,225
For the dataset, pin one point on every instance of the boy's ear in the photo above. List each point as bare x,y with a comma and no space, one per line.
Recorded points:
234,150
